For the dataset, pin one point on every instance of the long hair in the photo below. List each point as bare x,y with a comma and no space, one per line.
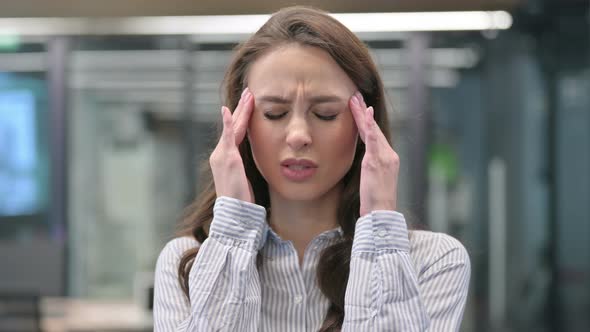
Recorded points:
310,27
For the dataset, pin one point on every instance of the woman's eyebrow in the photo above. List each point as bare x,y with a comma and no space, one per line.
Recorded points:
325,99
274,99
319,99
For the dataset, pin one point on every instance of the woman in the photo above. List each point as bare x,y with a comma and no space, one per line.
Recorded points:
297,229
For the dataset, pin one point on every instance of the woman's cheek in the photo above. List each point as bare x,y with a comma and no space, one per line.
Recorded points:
346,139
262,144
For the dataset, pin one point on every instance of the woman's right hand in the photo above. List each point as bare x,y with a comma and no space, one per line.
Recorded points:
226,163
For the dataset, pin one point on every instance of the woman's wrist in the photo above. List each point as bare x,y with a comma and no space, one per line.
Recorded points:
381,230
239,223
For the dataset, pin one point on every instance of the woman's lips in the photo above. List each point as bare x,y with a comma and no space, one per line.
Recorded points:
298,170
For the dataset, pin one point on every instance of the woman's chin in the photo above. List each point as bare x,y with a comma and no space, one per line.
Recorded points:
299,193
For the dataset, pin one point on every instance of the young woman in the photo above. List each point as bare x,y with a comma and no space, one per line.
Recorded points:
297,230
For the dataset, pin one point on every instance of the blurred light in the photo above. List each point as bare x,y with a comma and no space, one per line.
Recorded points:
9,42
245,24
426,21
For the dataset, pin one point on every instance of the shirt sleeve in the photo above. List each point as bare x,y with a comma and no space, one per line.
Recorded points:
386,293
224,287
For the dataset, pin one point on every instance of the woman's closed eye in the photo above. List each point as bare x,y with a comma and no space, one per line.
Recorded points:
279,115
274,115
326,117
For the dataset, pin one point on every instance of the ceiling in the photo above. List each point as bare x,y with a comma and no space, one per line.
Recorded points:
110,8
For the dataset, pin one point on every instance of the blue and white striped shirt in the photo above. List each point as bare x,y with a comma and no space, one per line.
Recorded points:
399,280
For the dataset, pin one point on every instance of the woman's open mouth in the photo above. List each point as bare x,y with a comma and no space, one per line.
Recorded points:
298,170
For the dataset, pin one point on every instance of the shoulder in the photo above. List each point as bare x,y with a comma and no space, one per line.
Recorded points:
170,303
174,249
429,248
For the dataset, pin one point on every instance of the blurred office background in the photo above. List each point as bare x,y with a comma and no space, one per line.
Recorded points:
104,119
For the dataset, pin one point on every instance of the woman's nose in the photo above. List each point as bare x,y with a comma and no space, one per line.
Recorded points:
298,133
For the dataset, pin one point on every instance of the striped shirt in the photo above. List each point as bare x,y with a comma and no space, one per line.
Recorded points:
399,280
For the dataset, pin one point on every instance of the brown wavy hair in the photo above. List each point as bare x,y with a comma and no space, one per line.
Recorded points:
310,27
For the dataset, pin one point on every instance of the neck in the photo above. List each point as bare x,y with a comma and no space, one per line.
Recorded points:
301,221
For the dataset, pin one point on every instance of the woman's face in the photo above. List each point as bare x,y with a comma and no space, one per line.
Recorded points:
302,134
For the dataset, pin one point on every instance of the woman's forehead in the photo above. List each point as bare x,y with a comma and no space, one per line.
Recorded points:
292,68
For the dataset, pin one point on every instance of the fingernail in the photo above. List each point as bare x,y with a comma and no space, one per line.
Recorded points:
244,92
360,96
355,99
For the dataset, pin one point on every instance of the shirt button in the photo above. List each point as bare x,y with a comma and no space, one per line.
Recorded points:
298,299
382,233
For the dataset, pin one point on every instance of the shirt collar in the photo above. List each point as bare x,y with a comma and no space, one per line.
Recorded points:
330,234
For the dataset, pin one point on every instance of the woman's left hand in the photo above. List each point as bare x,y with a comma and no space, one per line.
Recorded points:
380,165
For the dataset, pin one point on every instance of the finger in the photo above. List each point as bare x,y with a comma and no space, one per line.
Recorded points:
358,115
372,135
227,135
363,106
376,139
359,95
238,110
241,123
